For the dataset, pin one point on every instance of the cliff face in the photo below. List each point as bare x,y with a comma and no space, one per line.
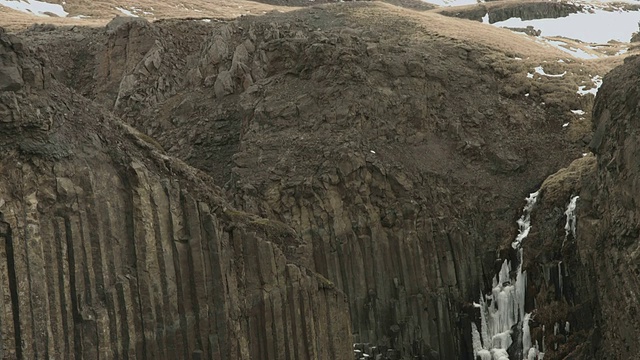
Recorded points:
609,230
364,145
396,158
111,249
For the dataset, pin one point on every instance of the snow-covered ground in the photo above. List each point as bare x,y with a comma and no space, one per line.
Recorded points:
35,7
596,25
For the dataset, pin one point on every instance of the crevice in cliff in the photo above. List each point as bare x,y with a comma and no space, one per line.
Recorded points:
5,231
136,292
72,288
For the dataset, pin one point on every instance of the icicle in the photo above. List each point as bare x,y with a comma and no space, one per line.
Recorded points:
483,323
570,226
476,339
526,337
520,288
484,354
499,354
566,327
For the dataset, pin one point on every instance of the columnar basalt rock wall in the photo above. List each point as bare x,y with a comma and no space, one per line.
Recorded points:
111,249
113,263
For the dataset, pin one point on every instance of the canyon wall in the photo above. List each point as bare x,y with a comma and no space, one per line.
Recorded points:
391,154
583,286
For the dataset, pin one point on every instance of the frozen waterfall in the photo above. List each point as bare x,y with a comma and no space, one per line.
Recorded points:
570,226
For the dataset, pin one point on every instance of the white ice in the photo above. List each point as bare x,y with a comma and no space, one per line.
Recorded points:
504,307
476,340
570,213
35,7
526,335
598,27
578,112
524,223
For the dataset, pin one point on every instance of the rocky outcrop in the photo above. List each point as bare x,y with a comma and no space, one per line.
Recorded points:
525,11
608,229
111,249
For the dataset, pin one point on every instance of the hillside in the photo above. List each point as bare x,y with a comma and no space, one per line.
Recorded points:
286,183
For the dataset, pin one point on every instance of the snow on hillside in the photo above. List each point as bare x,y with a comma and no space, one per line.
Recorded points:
595,25
35,7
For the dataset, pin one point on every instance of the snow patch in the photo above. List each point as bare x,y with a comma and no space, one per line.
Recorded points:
579,53
540,70
126,12
578,112
622,51
35,7
594,25
597,82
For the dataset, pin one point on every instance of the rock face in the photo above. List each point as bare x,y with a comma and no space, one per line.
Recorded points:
584,285
111,249
357,154
609,230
